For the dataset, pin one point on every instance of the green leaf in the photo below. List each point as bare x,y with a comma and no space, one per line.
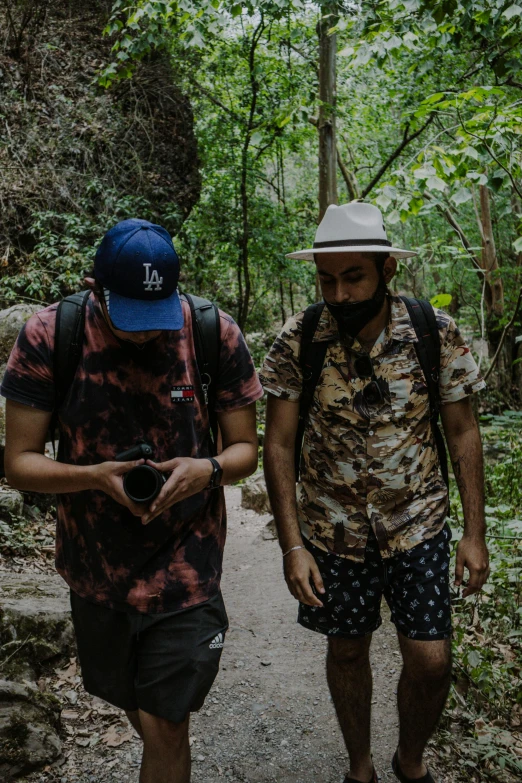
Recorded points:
461,196
441,300
474,658
517,244
434,98
436,183
471,152
513,10
423,172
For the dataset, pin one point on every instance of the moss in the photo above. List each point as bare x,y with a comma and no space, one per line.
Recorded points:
51,705
30,641
17,731
12,748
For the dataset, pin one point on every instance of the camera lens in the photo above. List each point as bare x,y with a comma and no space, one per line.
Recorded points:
143,483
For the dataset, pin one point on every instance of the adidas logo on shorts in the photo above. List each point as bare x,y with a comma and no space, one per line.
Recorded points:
217,642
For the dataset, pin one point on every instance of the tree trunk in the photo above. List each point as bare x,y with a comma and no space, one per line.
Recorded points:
494,284
494,299
282,301
244,280
326,123
327,98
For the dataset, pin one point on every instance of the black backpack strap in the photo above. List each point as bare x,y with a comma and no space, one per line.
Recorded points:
428,353
311,360
207,345
68,342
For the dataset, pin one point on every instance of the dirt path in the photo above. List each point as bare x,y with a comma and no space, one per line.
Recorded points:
269,716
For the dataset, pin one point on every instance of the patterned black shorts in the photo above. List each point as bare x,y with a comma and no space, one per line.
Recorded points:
415,584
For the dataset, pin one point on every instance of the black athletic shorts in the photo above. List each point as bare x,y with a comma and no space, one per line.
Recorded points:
164,664
415,585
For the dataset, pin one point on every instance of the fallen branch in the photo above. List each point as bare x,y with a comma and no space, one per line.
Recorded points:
19,646
503,337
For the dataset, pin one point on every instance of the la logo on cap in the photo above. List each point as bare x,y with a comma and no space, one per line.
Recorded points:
152,282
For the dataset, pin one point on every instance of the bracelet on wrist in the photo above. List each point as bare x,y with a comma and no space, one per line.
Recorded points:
292,549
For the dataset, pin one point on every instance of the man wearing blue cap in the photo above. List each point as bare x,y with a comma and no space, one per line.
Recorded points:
144,578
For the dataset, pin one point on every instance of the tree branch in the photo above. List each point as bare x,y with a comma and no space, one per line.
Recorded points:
395,154
512,83
448,215
350,184
305,57
216,101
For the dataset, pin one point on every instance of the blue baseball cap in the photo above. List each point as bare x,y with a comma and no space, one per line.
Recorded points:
139,270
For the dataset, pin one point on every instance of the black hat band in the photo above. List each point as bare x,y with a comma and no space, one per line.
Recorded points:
353,243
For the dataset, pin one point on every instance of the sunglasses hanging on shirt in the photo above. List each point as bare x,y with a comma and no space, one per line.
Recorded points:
364,368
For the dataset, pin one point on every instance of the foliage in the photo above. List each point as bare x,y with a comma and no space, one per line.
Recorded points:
66,241
22,537
71,150
144,26
483,719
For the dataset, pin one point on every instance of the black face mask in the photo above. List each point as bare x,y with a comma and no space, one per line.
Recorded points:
354,316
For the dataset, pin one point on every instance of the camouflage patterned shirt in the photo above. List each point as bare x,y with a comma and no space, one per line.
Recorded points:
123,394
375,465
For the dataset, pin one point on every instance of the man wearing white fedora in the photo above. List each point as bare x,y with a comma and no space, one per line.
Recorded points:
355,385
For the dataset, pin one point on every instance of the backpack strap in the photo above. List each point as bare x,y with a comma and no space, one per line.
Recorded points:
207,345
68,342
311,360
428,353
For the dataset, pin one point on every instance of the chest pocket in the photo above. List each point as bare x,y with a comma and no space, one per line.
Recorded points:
407,385
336,388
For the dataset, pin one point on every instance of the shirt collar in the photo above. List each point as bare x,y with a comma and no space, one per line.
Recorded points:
400,327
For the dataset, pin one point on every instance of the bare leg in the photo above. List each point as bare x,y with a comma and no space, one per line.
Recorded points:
423,689
134,719
166,751
350,680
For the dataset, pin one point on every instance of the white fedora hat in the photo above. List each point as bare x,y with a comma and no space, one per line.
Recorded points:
351,228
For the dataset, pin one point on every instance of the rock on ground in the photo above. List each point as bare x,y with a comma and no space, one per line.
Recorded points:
254,495
29,722
35,622
35,627
11,321
11,503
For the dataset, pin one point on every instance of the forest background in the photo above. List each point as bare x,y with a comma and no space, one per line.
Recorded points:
234,124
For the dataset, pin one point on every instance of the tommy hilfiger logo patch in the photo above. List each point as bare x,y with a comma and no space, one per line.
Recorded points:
182,394
217,642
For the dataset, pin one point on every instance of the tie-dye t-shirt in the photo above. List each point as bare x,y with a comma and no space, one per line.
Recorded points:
121,395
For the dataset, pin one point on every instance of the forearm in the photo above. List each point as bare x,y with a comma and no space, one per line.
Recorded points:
465,449
33,472
238,461
279,470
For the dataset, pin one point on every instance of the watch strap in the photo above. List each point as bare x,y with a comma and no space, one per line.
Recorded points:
217,472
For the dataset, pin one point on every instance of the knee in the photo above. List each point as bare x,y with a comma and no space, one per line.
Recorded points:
161,731
429,668
349,652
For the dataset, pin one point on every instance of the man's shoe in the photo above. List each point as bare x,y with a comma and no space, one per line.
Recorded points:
373,779
399,774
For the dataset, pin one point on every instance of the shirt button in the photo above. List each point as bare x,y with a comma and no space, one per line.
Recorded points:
370,433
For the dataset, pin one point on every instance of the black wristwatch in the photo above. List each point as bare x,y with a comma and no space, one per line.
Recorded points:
217,473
